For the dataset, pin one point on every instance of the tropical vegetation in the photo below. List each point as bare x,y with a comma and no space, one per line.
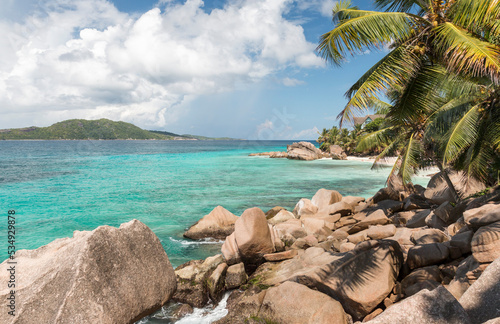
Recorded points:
439,81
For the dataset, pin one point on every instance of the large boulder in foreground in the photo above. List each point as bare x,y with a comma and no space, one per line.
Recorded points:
482,300
359,279
362,278
108,275
218,224
303,151
252,236
438,191
426,307
291,302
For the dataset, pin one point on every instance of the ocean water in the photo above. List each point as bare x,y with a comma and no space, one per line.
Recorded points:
57,187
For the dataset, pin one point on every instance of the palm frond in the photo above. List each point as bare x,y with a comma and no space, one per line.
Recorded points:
393,70
364,30
420,96
403,5
411,159
373,140
474,14
379,106
389,149
443,118
461,135
465,53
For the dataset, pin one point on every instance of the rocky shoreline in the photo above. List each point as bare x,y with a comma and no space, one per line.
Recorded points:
305,151
402,256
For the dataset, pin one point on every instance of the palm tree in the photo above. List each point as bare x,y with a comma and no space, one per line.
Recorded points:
429,40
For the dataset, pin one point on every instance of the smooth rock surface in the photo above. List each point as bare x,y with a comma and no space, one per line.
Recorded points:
378,217
294,303
230,250
426,307
252,236
282,216
108,275
381,231
324,197
427,254
303,151
481,216
305,208
428,235
482,300
485,243
361,278
219,224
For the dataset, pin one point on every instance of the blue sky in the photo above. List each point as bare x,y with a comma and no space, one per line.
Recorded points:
244,69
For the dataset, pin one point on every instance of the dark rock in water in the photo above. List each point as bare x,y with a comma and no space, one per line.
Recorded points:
192,280
216,281
427,307
108,275
236,276
243,305
482,300
218,224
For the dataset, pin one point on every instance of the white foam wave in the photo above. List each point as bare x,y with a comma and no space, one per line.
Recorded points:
197,242
207,314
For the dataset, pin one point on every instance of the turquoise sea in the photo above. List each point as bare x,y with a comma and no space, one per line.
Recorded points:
57,187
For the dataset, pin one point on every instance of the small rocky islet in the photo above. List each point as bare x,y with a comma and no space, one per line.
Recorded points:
403,256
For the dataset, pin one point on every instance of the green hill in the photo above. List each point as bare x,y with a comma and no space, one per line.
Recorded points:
102,129
79,129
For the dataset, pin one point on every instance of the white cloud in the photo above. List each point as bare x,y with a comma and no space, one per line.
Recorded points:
307,134
87,57
291,82
324,7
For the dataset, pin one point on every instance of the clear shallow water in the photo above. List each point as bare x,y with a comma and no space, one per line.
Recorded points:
57,187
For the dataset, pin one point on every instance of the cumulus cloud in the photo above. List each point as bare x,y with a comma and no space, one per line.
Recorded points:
324,7
88,58
307,134
291,82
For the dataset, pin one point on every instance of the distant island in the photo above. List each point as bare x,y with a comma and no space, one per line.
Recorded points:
101,129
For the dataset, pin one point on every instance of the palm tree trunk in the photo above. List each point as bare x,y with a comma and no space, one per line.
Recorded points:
454,192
